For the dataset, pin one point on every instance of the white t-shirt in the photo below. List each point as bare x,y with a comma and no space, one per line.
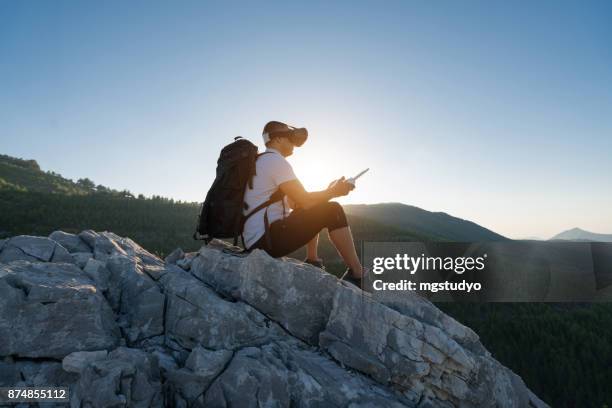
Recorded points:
272,170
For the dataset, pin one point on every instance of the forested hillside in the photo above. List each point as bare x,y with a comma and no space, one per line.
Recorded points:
562,351
26,175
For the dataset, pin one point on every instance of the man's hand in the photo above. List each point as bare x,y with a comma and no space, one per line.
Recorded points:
340,187
303,199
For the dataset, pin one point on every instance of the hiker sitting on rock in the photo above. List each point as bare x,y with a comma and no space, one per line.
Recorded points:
275,190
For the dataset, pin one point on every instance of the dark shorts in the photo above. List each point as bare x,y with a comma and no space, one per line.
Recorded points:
302,225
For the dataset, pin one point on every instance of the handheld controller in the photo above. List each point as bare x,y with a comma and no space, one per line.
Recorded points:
352,180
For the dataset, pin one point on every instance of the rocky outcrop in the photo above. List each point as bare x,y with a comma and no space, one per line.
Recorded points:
51,309
120,327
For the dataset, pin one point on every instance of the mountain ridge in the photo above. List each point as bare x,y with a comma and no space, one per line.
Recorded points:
578,234
437,224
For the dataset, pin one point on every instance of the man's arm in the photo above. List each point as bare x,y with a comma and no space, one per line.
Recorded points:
292,204
296,192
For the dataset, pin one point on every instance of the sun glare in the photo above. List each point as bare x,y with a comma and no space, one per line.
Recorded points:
332,151
319,163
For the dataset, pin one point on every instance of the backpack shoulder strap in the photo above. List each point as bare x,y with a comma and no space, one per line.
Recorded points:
276,196
252,170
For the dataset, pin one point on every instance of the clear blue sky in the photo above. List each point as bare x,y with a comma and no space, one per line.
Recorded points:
498,112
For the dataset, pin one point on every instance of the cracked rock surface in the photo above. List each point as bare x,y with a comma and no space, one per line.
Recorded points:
122,328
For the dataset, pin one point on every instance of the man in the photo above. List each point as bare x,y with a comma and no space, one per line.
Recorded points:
312,211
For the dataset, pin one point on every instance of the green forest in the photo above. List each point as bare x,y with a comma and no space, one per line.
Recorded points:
563,352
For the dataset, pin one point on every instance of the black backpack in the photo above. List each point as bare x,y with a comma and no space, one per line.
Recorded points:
221,213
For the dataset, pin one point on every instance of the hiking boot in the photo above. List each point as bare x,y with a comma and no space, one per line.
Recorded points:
348,277
315,262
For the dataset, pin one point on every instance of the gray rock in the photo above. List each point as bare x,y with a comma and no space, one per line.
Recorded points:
208,363
136,297
40,248
44,373
51,310
73,243
105,377
80,259
196,315
89,237
188,385
174,256
423,310
221,330
152,343
146,387
12,254
185,262
104,247
2,242
133,249
9,374
98,273
127,377
166,361
297,296
61,254
77,361
287,373
141,359
409,354
156,272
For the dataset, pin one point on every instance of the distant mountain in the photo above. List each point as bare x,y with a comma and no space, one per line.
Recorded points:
438,225
577,234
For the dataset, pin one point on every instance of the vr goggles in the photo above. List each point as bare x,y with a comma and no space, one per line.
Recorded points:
297,136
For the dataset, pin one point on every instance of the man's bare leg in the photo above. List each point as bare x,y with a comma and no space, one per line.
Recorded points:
342,239
312,253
